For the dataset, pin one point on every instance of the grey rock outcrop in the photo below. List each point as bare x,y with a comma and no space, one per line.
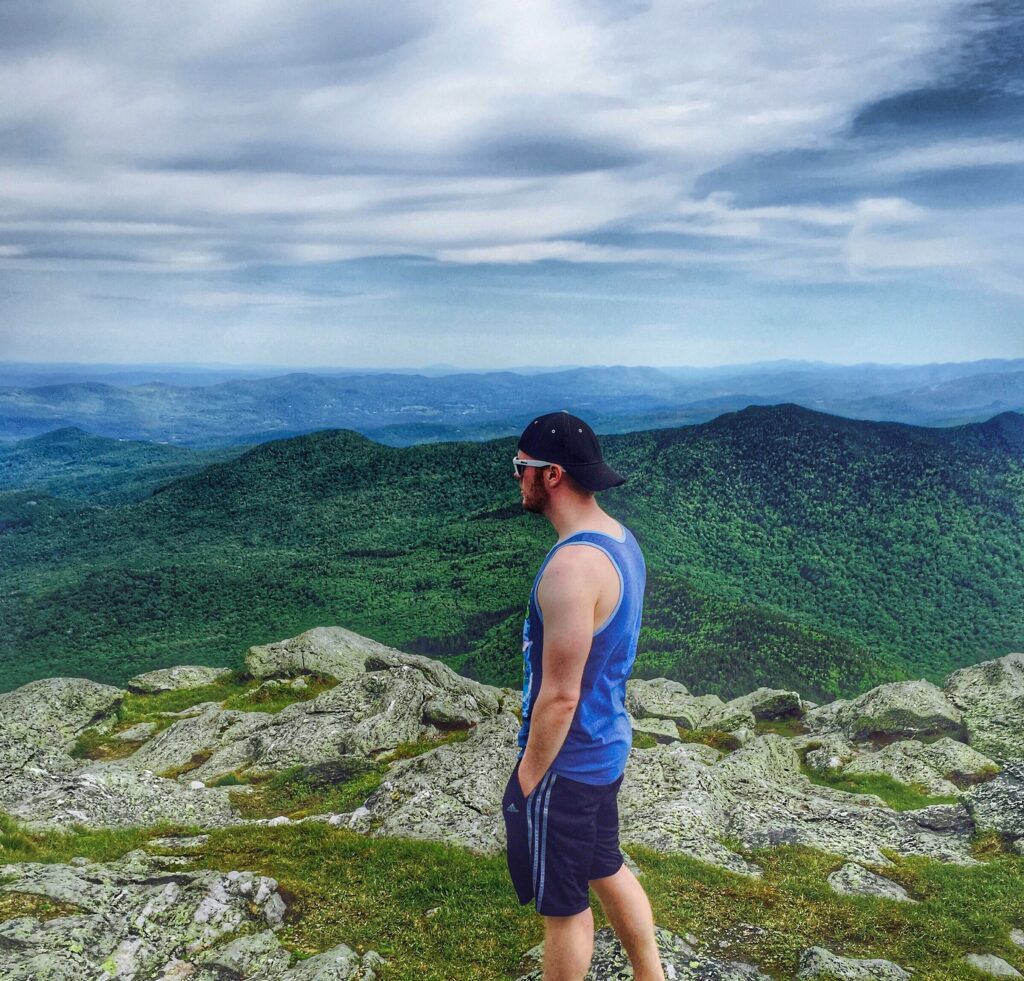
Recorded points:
991,697
110,796
176,678
679,961
663,730
661,698
818,961
855,880
829,753
769,801
451,794
26,768
998,805
911,761
144,917
994,965
54,712
210,731
387,699
769,703
904,709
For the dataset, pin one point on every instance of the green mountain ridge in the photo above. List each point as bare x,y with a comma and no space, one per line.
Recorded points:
785,547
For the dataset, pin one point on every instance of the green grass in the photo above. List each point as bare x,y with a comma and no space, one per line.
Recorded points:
101,845
899,796
644,740
272,699
962,909
303,790
342,887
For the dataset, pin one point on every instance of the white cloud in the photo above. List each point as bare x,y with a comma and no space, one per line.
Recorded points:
292,130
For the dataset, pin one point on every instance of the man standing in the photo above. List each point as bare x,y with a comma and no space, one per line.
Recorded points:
579,643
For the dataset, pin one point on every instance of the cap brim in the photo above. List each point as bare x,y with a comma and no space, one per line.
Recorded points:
594,476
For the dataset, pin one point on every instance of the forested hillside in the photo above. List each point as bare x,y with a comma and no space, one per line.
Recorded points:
785,546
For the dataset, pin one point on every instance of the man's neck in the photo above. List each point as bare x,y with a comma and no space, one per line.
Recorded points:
570,516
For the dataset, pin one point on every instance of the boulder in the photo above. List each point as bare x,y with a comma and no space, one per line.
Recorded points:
829,753
661,698
134,917
397,698
928,764
769,703
949,819
370,714
26,768
332,651
670,801
176,678
106,795
663,730
818,962
54,712
769,801
991,697
209,730
998,805
678,959
852,879
991,964
135,734
451,794
902,709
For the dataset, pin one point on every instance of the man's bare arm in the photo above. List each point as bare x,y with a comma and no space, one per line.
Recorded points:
567,596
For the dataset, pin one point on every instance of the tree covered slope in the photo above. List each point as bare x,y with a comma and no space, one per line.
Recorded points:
785,547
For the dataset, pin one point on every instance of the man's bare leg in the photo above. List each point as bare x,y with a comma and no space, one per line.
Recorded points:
568,946
629,912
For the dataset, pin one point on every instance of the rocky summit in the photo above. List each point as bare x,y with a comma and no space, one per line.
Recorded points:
703,775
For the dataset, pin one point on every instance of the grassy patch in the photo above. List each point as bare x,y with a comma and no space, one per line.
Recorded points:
899,796
95,745
335,787
197,760
272,698
781,727
643,740
14,904
716,738
98,844
342,887
961,909
147,708
418,747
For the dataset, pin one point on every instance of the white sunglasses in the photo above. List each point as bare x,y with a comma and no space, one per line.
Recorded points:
521,465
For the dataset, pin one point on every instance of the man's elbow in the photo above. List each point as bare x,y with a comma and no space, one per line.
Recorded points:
564,698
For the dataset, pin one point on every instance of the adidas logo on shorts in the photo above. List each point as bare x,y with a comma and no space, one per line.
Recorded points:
512,808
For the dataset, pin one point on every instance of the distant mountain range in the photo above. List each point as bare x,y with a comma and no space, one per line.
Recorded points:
786,547
403,409
78,466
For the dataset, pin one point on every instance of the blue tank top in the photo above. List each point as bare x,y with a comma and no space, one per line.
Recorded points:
600,736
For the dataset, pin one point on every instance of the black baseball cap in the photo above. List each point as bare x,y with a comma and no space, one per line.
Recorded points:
567,440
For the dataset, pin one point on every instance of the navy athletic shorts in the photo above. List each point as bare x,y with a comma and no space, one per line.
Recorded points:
559,838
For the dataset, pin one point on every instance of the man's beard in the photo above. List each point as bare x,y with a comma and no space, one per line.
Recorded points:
535,496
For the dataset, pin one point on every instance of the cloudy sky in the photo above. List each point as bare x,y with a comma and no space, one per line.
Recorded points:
352,183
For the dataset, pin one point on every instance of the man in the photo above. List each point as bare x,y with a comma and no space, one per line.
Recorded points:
579,643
